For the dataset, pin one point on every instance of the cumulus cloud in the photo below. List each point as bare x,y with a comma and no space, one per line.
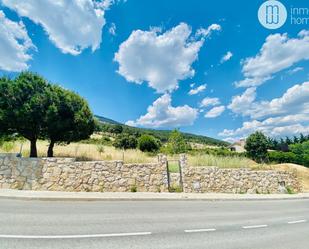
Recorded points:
162,114
226,57
241,104
15,45
160,59
294,100
277,53
71,25
209,102
207,32
274,127
215,112
197,90
283,116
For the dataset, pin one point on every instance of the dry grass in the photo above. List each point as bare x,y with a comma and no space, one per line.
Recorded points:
301,172
86,152
222,161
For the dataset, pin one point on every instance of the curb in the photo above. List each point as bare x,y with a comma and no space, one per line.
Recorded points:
140,196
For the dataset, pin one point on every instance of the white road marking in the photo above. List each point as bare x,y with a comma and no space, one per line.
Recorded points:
81,236
255,226
296,221
200,230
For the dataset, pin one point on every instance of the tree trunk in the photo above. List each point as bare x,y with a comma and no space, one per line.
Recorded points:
50,151
33,150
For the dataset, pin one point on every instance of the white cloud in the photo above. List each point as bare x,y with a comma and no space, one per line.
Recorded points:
294,100
207,32
274,127
14,45
192,85
112,29
160,59
197,90
277,53
209,102
71,25
162,114
241,104
226,57
295,70
215,112
284,116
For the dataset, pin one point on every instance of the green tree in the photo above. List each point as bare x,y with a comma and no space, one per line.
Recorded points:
301,150
176,143
116,129
125,141
68,118
256,146
148,143
23,105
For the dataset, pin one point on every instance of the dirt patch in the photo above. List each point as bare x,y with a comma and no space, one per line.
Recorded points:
301,171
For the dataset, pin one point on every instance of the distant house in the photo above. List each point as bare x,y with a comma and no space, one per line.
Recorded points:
238,146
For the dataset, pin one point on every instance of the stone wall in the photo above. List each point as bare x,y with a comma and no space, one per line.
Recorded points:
65,174
213,179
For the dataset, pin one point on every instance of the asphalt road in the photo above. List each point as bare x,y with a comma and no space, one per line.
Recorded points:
155,224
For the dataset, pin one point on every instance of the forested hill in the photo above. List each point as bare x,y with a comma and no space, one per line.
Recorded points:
161,134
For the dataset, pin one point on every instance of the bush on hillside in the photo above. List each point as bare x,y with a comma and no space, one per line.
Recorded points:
299,154
301,150
115,129
125,141
148,143
281,157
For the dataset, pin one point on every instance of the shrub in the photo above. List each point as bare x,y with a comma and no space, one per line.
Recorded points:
301,150
133,189
176,143
299,154
116,129
100,148
281,157
256,147
125,141
148,143
7,146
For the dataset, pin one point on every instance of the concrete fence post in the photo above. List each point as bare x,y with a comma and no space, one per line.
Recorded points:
183,161
182,166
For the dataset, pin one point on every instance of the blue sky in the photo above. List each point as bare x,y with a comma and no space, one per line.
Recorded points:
137,61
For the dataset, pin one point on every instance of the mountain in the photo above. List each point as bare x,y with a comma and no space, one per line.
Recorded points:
106,120
162,134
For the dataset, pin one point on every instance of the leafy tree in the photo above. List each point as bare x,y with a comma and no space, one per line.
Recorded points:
176,143
33,108
125,141
288,141
301,150
23,105
302,138
256,146
295,140
148,143
68,118
116,129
